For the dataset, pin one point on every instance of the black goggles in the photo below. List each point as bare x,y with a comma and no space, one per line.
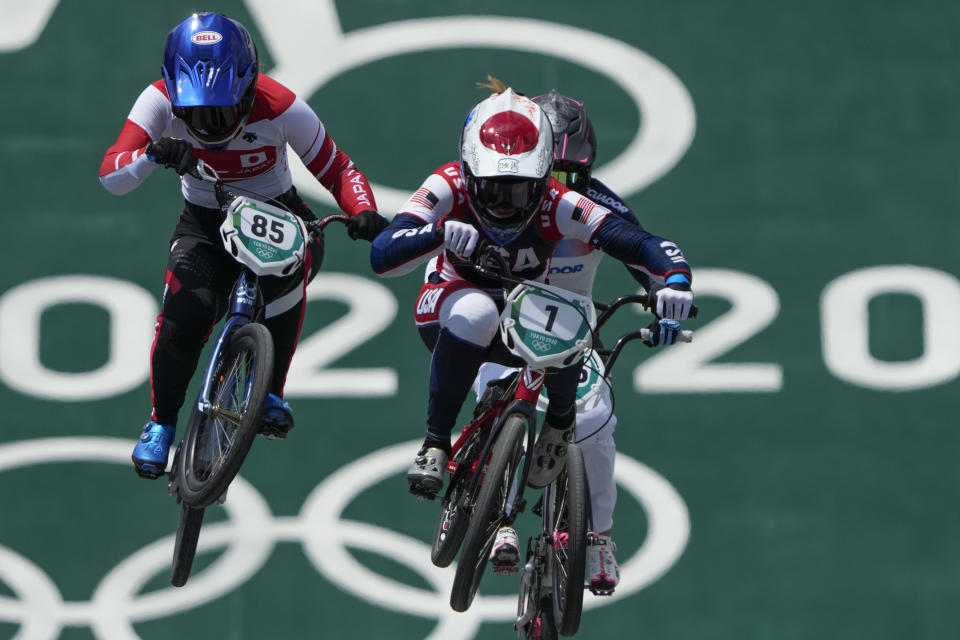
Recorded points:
210,124
522,195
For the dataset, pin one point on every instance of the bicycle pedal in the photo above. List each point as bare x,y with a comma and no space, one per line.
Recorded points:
273,434
505,569
600,591
422,494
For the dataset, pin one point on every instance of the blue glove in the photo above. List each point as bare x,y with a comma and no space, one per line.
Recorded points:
662,331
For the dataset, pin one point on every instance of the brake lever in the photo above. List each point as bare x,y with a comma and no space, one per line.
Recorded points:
490,263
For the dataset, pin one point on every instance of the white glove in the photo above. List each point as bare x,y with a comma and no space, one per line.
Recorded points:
460,237
674,304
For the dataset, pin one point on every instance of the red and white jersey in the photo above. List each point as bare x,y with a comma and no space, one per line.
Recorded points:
563,214
255,161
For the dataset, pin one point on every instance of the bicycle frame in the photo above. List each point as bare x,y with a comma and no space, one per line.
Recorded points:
246,301
523,400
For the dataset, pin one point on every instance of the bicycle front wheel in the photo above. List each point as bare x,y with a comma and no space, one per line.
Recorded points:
499,476
216,443
185,548
565,512
452,524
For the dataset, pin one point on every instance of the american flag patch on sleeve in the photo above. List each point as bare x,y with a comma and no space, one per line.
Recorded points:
424,197
581,212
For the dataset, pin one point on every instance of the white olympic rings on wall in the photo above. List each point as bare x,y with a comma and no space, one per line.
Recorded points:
310,48
251,532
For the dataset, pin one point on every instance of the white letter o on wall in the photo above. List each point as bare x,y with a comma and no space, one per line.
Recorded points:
846,327
132,314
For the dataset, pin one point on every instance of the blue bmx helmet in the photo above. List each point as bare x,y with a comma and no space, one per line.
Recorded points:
210,66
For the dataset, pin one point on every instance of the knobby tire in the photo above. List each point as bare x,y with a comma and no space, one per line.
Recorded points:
566,514
452,523
185,548
240,384
498,477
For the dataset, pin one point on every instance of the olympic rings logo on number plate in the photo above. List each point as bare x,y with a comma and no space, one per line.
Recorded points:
541,346
251,531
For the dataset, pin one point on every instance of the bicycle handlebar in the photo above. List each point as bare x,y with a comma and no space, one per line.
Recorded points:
316,227
487,256
490,263
608,309
204,172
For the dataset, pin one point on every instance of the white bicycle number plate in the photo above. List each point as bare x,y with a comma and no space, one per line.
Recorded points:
546,326
267,239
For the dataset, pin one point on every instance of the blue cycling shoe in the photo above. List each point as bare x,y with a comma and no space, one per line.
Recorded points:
277,418
152,450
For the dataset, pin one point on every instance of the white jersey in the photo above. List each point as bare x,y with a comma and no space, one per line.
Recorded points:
255,162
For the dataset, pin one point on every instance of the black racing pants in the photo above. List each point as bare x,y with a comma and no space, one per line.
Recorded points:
199,278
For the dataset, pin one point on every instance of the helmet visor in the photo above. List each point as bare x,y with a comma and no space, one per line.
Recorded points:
211,125
508,199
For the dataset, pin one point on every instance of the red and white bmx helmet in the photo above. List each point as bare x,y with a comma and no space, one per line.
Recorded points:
506,153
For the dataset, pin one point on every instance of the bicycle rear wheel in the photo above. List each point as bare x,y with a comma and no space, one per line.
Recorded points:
185,548
534,610
216,443
452,523
565,511
542,626
499,475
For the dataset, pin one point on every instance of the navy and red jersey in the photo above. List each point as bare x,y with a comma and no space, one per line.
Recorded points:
255,161
411,238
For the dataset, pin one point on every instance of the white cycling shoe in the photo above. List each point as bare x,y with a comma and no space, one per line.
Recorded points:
603,573
505,554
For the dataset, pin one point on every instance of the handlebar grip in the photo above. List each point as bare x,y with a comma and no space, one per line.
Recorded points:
684,336
316,227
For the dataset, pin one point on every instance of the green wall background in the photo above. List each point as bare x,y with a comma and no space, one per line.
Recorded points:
826,141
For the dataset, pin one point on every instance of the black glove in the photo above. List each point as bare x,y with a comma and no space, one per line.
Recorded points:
172,153
366,225
481,256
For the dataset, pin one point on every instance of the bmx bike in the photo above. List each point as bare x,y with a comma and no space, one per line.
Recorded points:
266,240
545,327
552,580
